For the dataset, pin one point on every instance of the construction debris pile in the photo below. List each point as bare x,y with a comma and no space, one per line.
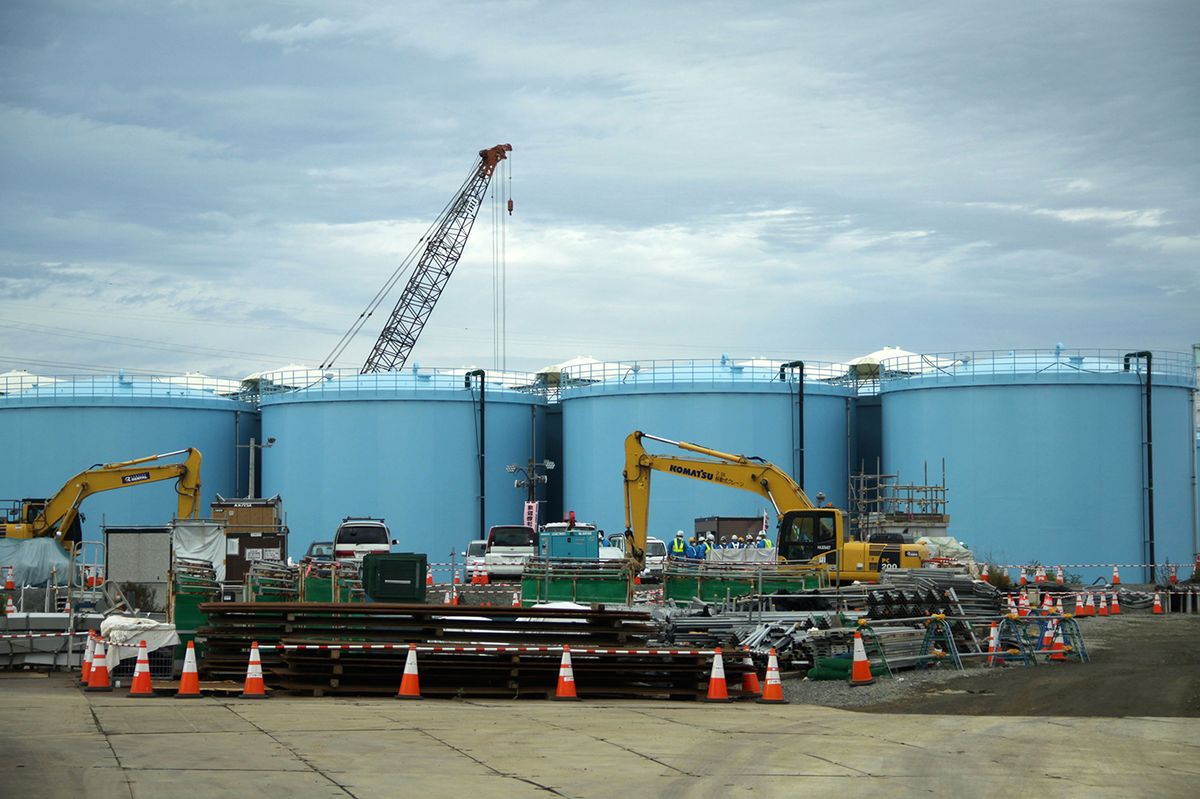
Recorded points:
806,627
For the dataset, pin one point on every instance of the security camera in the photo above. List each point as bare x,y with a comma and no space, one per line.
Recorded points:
270,440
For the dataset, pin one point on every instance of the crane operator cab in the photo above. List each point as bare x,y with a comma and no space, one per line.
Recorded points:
808,534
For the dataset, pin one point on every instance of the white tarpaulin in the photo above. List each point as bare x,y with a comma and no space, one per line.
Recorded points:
123,633
200,539
750,555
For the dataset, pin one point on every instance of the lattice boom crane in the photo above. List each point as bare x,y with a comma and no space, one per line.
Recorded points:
443,249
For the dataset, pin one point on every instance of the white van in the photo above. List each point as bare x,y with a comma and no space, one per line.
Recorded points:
359,536
510,547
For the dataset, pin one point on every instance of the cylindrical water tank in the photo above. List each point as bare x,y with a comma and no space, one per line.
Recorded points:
56,427
738,407
402,446
1046,452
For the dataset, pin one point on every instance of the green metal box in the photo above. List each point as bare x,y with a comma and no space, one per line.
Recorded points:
396,577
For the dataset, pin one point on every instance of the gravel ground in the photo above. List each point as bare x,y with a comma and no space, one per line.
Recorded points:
833,693
1141,665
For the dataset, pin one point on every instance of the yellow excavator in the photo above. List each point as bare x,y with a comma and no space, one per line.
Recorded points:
806,534
59,516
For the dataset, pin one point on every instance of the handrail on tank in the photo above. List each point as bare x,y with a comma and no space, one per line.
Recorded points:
1052,364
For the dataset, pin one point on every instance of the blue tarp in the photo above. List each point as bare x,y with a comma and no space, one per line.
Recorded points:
33,559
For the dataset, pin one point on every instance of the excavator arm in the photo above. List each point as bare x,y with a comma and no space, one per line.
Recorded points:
62,510
719,468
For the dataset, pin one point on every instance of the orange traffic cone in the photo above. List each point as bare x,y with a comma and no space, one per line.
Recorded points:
483,578
410,683
1058,651
85,666
993,644
1040,575
1158,609
9,583
860,670
1114,607
983,572
1047,638
1058,575
1012,608
457,579
428,575
141,674
189,682
1089,606
773,693
9,608
1023,605
516,603
1116,578
1173,579
1102,607
750,682
98,676
1023,580
1047,602
566,678
1058,606
254,687
718,690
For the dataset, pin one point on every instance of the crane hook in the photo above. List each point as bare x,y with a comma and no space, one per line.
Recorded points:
510,206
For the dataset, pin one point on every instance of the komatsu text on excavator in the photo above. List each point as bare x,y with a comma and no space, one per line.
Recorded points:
59,516
806,533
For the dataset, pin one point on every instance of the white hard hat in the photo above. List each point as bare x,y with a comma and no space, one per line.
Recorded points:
679,533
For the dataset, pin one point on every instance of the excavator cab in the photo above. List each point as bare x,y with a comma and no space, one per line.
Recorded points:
808,534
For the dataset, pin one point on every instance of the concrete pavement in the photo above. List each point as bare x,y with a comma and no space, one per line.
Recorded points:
60,742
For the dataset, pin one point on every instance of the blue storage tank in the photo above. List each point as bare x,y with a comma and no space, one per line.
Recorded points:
55,427
740,407
401,446
1045,452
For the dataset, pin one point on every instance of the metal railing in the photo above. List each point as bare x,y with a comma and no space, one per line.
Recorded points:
1053,365
723,371
26,388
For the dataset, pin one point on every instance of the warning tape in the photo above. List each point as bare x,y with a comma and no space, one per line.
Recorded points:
1051,566
487,649
40,635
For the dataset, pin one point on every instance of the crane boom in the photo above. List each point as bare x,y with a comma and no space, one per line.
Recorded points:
442,251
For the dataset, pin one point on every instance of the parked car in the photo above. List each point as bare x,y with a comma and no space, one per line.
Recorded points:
357,537
509,548
476,550
319,550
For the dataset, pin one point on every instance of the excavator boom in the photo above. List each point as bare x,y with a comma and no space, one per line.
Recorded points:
61,511
806,533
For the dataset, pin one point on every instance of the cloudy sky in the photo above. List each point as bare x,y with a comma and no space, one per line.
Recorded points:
224,186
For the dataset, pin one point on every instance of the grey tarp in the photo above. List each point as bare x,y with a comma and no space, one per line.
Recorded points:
34,559
200,539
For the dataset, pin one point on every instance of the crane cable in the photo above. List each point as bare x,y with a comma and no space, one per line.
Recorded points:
400,272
